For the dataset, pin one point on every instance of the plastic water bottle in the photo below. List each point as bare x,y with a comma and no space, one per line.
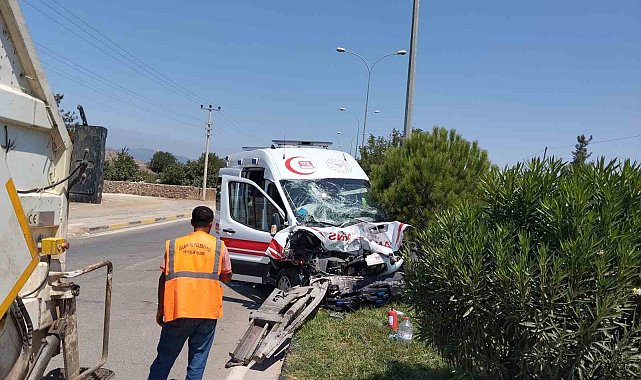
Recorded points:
405,331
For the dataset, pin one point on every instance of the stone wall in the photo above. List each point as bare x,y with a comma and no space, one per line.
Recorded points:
157,190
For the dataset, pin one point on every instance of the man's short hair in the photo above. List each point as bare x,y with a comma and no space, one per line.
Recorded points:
202,216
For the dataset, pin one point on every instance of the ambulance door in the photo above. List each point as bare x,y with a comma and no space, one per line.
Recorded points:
246,217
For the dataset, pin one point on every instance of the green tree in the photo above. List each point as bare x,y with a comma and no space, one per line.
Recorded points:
580,154
148,176
108,170
194,170
173,174
160,160
539,278
122,168
374,152
68,117
431,171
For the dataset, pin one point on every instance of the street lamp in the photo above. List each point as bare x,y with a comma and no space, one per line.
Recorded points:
369,78
358,126
338,140
358,129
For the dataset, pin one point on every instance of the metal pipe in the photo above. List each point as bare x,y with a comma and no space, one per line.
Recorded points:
107,316
49,347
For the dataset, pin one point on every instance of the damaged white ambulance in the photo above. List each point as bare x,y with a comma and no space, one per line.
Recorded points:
297,211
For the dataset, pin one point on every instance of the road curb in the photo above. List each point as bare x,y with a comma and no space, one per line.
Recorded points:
133,223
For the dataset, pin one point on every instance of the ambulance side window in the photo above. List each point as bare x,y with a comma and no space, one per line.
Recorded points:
248,206
272,191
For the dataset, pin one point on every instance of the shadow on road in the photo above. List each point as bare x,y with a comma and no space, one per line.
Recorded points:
275,358
247,304
254,292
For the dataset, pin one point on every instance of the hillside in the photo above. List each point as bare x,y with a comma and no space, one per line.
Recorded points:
141,156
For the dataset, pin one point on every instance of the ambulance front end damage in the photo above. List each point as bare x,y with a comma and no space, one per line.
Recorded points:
342,268
339,253
361,261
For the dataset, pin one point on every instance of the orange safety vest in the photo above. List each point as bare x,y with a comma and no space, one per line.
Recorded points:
192,268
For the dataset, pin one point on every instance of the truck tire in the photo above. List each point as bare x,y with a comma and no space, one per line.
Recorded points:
288,278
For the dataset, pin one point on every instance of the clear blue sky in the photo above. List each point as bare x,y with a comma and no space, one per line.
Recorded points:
516,76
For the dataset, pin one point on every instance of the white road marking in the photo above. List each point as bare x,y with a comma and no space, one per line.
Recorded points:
97,234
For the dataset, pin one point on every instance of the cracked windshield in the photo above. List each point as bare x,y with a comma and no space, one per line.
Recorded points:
333,201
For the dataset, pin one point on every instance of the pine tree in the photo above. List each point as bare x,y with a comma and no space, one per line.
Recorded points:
580,154
374,152
431,171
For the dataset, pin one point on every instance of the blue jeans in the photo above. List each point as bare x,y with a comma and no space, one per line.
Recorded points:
200,333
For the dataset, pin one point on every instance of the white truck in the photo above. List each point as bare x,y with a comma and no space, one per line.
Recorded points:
299,216
298,210
40,169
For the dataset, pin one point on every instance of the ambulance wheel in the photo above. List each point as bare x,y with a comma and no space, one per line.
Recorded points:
288,278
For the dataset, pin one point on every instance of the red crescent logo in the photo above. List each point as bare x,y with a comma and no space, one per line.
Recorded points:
288,165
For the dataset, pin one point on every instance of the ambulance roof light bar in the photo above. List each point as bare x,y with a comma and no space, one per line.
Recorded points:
249,148
301,144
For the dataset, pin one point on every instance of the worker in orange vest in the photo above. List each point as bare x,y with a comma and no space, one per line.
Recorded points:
190,296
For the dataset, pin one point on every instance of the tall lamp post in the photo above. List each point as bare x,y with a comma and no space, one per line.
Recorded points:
358,124
369,78
358,130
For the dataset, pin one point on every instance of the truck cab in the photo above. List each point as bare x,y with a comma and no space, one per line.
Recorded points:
263,190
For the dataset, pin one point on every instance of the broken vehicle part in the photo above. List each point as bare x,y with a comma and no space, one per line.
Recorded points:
367,252
283,312
276,321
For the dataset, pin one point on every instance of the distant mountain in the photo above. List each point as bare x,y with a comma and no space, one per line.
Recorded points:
145,154
142,154
183,159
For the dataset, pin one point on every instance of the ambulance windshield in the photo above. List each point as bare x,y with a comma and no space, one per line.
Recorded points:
332,201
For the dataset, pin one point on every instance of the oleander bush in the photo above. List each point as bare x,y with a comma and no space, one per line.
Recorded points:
539,279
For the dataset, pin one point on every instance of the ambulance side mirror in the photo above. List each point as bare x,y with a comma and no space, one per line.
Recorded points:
277,224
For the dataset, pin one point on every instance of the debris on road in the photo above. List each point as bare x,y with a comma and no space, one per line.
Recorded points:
276,321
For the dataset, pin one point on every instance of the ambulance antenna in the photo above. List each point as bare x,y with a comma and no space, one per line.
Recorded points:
284,145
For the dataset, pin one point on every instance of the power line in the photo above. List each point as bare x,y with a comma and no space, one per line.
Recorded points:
144,71
75,66
616,139
115,97
92,43
186,90
137,61
110,108
157,77
573,145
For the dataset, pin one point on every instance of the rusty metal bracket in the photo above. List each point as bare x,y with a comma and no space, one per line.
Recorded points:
107,316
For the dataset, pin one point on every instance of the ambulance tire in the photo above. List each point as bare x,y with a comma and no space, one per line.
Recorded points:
288,278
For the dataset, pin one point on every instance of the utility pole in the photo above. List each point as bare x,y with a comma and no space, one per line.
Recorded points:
411,70
208,134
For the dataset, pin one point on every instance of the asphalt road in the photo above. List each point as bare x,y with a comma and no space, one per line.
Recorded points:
136,256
